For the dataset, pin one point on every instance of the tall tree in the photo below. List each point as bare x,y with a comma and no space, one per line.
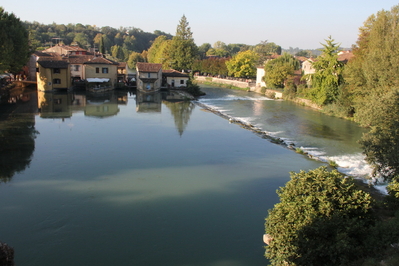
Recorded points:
328,78
183,50
243,65
14,46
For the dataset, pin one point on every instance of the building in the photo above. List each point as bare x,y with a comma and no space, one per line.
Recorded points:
53,74
174,79
149,77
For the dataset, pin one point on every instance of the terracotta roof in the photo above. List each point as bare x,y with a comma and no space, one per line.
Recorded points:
53,63
301,58
122,64
99,60
345,56
148,67
173,73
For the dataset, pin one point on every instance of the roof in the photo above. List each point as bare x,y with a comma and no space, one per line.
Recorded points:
345,56
148,67
173,73
99,60
53,63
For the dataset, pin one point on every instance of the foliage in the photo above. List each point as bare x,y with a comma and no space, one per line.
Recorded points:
194,89
160,53
134,57
374,71
278,70
381,143
14,47
243,65
183,50
213,66
322,219
328,74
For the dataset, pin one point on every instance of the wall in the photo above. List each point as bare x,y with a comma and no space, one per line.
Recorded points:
236,83
90,72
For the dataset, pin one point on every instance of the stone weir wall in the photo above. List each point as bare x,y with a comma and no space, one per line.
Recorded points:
240,83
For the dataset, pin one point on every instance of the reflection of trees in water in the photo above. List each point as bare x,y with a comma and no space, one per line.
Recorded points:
181,112
17,137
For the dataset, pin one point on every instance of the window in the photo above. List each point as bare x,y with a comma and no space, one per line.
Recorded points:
105,70
56,81
37,70
182,81
57,70
149,75
97,70
76,67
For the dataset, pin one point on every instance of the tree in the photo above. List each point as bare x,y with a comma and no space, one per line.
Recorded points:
381,143
159,52
321,219
134,57
243,65
183,50
203,49
328,78
278,70
374,71
14,46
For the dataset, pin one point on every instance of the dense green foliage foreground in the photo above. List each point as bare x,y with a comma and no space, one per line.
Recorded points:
324,219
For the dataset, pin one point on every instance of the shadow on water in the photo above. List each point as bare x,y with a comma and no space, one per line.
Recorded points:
17,131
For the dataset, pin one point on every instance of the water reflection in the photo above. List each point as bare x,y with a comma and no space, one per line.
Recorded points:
181,110
148,102
17,132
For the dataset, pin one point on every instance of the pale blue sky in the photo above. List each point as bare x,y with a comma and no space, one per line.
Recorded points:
296,23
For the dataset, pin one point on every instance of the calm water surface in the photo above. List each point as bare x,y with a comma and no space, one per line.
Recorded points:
126,179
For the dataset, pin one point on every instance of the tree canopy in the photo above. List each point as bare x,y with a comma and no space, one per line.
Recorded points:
321,219
278,70
14,46
243,65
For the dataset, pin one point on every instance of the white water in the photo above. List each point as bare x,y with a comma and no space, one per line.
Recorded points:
322,137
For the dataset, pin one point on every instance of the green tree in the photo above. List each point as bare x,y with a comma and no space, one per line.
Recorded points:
278,70
381,143
82,40
14,46
134,57
203,49
183,50
328,78
374,71
321,219
243,65
159,52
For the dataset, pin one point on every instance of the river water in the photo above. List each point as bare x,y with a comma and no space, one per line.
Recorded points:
128,179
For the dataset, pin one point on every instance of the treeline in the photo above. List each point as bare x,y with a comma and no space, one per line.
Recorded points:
130,39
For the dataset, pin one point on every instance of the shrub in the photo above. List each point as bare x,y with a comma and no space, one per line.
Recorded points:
322,219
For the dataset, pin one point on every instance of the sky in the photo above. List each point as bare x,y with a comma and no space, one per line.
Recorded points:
288,23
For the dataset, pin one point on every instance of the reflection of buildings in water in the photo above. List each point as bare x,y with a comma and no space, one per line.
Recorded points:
258,108
148,102
55,105
101,105
64,104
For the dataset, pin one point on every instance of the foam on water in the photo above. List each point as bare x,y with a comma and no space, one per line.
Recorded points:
348,164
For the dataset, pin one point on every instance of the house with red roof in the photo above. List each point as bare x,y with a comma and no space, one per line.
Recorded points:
149,77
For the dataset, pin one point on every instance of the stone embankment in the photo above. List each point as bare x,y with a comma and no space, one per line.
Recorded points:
240,83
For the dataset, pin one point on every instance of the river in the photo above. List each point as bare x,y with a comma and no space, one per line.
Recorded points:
127,179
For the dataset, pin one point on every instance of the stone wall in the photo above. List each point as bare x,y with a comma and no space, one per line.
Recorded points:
237,83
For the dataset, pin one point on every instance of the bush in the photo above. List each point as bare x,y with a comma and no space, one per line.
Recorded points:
322,219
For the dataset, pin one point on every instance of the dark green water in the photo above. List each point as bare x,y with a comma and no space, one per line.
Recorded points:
125,179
